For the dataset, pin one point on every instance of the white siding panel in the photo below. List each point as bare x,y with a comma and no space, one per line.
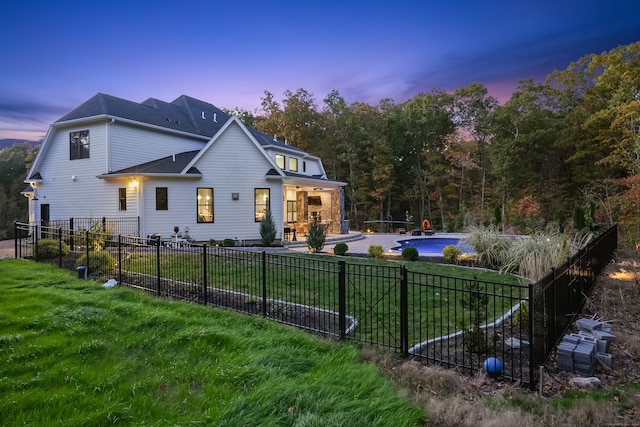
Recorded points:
132,146
233,164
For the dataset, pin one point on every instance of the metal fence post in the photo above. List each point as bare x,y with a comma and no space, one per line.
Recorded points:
264,284
204,273
342,299
59,247
86,246
404,312
35,242
15,239
71,242
120,258
532,339
158,264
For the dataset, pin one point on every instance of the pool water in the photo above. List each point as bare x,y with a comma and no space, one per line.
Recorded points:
433,246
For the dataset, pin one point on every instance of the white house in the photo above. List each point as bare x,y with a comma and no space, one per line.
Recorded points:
182,164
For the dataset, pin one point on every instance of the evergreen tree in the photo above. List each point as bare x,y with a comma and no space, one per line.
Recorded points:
267,229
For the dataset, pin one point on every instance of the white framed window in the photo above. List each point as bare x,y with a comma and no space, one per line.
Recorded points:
204,197
122,199
79,145
262,202
293,164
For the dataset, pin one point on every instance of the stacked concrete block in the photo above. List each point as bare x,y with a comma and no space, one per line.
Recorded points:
577,353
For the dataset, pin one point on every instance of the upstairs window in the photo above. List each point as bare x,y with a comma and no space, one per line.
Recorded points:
122,199
204,197
280,161
162,199
79,145
293,164
262,196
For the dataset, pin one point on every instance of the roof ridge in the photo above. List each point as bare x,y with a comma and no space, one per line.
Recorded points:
182,99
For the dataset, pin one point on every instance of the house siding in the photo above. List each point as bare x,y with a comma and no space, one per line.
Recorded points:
226,171
130,145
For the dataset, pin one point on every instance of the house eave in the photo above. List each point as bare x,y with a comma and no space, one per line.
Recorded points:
108,176
312,182
113,119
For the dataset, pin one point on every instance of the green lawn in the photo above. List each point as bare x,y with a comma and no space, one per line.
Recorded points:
372,287
74,353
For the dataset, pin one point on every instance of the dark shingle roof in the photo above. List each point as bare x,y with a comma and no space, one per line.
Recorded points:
184,114
165,165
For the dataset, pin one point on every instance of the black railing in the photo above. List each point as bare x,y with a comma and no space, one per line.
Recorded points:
433,318
125,226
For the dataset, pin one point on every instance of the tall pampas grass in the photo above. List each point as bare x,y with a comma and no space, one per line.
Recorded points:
529,256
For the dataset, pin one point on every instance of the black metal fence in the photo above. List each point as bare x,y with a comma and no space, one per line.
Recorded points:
449,321
125,226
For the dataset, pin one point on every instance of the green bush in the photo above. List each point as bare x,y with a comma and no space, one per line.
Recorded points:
228,243
521,317
451,253
316,238
267,229
410,254
376,251
99,262
50,248
340,248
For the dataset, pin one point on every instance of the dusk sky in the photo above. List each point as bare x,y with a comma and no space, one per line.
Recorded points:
58,54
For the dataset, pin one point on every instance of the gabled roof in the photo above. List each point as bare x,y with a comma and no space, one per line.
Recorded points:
166,165
184,114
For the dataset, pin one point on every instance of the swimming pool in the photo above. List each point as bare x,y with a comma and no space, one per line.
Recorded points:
433,246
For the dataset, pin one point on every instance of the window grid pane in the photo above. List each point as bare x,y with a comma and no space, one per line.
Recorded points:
79,145
293,164
122,199
162,199
204,201
262,202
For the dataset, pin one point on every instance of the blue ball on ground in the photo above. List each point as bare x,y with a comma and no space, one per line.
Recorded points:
492,366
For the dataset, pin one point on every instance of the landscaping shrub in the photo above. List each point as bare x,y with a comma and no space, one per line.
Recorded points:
410,254
340,248
451,253
316,238
228,243
99,261
267,229
375,251
521,317
50,248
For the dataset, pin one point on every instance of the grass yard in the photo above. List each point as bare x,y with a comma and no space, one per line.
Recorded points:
75,353
372,287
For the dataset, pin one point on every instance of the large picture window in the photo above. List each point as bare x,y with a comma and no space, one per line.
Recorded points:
204,197
162,199
262,197
79,145
122,199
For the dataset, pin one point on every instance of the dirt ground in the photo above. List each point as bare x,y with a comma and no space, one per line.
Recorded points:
7,249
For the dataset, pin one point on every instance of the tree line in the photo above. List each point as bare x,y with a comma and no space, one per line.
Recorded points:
564,151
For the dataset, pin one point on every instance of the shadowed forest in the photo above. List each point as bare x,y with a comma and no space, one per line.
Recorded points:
565,151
